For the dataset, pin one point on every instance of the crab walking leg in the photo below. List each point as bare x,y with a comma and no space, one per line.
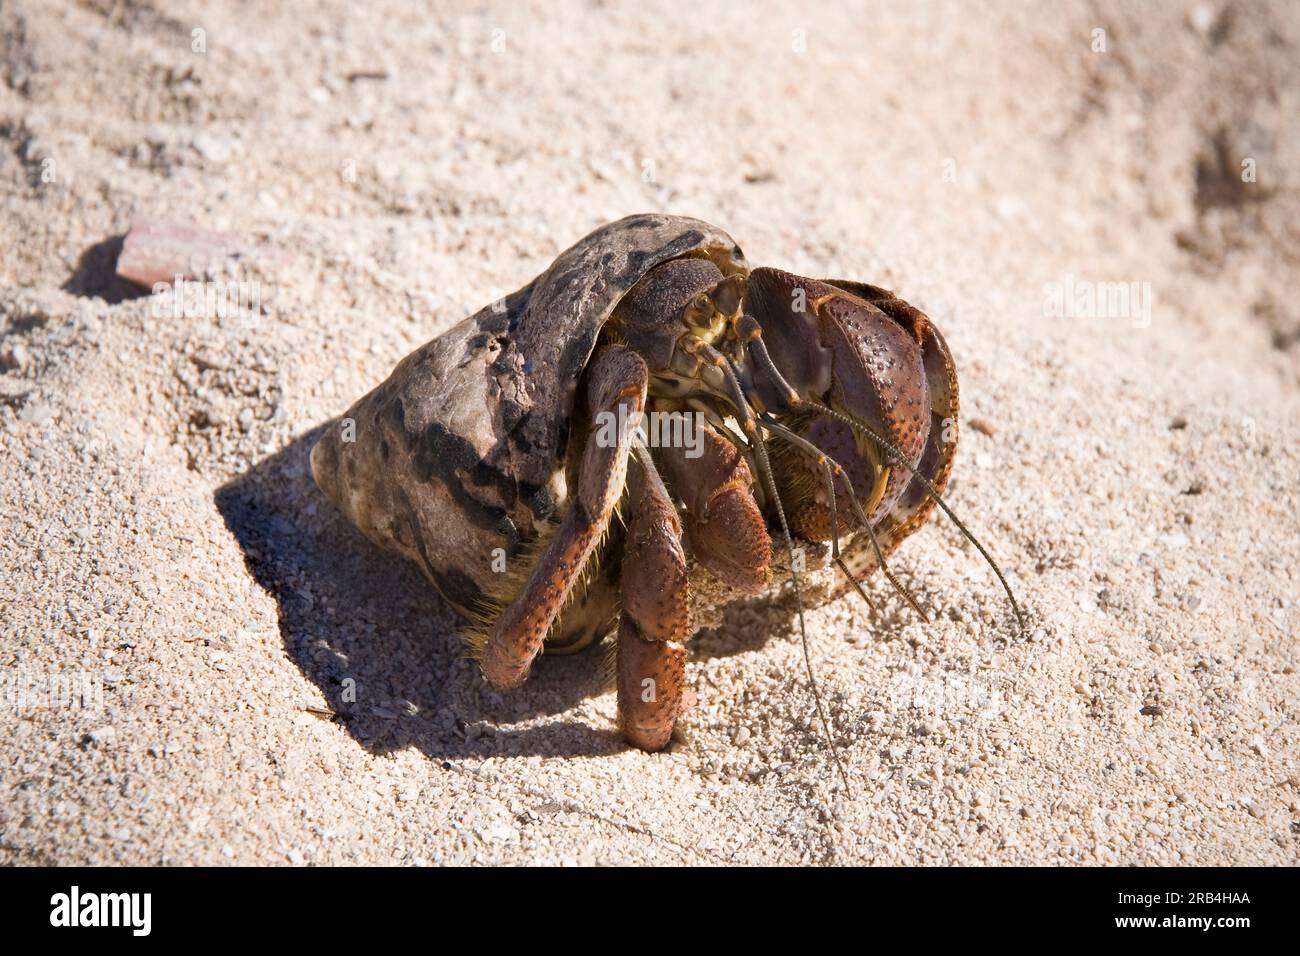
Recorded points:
651,661
616,390
727,531
654,587
651,677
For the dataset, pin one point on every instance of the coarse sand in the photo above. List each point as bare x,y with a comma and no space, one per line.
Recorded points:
185,620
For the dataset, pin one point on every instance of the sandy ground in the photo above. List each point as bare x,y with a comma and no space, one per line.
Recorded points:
165,551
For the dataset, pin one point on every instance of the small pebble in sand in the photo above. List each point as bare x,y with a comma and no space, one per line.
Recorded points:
1202,18
15,356
981,425
211,147
37,413
500,833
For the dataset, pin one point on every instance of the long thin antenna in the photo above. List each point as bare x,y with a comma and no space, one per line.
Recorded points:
830,469
750,424
897,455
766,470
778,429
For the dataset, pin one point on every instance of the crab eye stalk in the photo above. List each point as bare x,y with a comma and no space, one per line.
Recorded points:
698,315
726,295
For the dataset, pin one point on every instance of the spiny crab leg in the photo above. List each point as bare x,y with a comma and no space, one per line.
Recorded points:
726,526
617,383
655,620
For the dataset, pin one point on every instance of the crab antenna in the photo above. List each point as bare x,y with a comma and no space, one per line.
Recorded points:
898,585
754,339
892,449
831,467
750,423
777,429
765,470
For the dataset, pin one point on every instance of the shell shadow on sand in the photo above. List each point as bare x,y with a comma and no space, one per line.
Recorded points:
382,646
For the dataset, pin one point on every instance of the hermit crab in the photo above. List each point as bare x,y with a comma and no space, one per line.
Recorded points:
514,457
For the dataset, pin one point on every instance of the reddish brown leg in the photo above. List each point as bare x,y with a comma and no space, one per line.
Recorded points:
655,620
616,384
727,531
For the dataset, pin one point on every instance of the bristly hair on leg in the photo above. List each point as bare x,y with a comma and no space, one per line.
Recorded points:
888,447
507,585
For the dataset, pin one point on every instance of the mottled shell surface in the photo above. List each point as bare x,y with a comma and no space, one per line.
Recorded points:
462,450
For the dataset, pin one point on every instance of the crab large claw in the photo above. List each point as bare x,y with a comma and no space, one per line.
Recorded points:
859,351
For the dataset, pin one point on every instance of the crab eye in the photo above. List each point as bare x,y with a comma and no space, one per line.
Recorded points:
699,312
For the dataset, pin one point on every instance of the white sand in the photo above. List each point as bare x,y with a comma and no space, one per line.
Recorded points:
163,537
